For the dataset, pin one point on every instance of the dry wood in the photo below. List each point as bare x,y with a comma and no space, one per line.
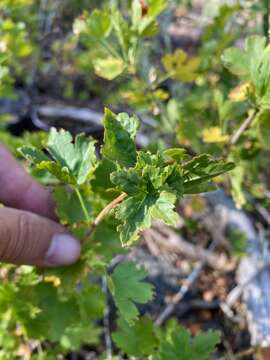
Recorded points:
191,279
253,279
174,243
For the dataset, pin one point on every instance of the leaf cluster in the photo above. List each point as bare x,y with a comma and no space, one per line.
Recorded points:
149,184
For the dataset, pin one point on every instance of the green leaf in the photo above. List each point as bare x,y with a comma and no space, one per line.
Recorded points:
153,187
176,154
201,169
179,344
236,61
61,173
101,181
156,7
120,131
79,158
109,68
91,301
263,127
164,208
137,340
95,25
54,315
69,277
127,287
76,336
106,239
136,13
244,63
252,64
70,163
128,181
33,154
137,212
135,215
68,206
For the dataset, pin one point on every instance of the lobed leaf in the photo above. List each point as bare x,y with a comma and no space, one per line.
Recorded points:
127,287
136,340
120,131
70,163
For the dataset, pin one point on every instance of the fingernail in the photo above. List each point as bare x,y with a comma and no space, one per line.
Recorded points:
64,250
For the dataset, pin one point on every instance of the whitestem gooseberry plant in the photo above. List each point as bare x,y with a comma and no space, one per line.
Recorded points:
107,201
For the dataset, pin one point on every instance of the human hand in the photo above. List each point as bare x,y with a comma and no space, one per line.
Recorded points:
29,233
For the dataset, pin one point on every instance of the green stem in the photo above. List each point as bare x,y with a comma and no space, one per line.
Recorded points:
266,19
84,209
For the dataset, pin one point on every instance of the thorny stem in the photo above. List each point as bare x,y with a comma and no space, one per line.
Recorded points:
103,213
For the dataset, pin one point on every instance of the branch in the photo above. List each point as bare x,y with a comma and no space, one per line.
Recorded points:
103,214
245,125
193,276
175,244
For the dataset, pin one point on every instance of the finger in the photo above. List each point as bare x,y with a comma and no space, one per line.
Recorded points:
27,238
19,190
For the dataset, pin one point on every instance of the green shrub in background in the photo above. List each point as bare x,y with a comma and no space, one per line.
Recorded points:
216,103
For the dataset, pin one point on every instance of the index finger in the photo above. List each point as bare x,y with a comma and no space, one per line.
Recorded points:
19,190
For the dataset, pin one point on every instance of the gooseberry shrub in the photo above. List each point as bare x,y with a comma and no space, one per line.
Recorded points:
107,196
107,199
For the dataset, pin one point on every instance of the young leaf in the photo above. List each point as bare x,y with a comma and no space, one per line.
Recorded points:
95,25
214,135
70,163
68,206
119,145
127,287
180,67
109,68
244,63
152,186
201,169
135,215
156,7
177,154
79,158
252,64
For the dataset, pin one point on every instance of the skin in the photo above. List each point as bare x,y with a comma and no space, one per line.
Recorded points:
29,232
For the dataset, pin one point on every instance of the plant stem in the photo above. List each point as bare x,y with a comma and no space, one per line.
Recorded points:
245,125
109,207
103,213
266,19
84,209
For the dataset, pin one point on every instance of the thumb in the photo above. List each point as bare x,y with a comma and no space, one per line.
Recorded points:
27,238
